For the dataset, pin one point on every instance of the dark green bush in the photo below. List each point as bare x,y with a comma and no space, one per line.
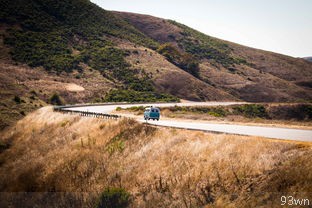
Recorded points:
4,146
17,99
251,111
50,28
120,95
114,198
56,99
205,47
183,60
213,111
298,112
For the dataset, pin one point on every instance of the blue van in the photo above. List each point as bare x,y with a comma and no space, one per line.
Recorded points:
151,113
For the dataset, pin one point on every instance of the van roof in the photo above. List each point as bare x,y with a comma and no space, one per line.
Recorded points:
149,108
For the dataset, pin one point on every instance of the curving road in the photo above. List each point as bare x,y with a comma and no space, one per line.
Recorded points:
269,132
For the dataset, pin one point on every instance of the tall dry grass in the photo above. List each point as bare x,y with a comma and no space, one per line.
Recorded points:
160,167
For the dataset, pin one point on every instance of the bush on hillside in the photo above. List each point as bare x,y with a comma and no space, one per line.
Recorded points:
128,95
251,111
183,60
17,99
206,47
56,99
114,198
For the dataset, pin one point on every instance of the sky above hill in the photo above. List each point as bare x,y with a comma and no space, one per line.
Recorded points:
283,26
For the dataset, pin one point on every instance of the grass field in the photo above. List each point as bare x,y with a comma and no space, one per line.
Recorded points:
159,167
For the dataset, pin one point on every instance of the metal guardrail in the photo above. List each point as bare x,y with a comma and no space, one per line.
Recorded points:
86,113
92,114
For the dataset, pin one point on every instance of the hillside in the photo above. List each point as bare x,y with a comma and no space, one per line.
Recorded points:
75,158
247,73
308,58
82,53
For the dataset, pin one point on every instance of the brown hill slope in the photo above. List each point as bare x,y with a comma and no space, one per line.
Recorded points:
169,78
247,73
308,58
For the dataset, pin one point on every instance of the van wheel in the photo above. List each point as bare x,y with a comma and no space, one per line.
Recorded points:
157,119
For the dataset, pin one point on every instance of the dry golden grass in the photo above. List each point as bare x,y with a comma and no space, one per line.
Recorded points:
160,167
240,120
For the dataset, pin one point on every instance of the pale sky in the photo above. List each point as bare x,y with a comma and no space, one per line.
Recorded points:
283,26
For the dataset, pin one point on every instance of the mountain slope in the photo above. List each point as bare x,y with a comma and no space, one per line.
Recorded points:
308,58
247,73
64,36
83,53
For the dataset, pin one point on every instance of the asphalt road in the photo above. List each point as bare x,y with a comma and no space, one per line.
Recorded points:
269,132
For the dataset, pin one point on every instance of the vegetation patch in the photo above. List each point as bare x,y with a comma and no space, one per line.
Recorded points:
116,144
300,112
251,111
3,146
129,95
183,60
17,99
56,99
49,29
205,47
113,198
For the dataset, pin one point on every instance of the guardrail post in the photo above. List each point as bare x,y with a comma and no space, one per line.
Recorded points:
85,113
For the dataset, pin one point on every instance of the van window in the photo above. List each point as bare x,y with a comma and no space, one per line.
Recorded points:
153,110
156,111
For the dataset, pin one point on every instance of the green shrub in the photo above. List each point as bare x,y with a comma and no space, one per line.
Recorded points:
298,112
56,99
121,95
33,92
136,108
183,60
17,99
213,111
4,146
45,38
114,198
308,111
251,111
205,47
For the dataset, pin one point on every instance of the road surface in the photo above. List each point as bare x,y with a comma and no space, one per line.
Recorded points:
269,132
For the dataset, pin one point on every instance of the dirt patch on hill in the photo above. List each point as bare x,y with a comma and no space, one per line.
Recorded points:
74,87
